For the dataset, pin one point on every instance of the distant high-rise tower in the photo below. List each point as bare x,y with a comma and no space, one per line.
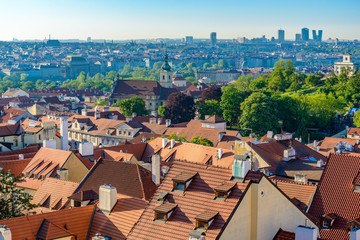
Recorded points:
298,37
88,39
166,73
305,34
213,39
189,39
319,37
315,37
281,35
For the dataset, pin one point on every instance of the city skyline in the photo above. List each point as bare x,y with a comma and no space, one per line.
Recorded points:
163,19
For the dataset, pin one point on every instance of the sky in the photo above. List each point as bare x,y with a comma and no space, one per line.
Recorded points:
144,19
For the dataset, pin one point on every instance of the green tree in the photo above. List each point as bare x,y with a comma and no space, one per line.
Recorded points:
161,110
14,201
230,104
259,113
223,64
357,119
132,105
191,79
179,108
209,107
28,85
202,141
101,102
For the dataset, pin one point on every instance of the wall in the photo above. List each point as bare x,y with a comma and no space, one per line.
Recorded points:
77,170
268,212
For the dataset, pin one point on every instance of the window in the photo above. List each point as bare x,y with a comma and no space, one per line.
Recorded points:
39,137
182,181
77,204
163,77
325,224
204,220
163,212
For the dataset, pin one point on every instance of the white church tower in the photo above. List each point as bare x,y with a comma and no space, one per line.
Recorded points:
166,73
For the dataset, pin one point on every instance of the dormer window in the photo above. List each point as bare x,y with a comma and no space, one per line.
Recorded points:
182,181
204,220
162,197
356,183
223,191
327,220
353,224
163,212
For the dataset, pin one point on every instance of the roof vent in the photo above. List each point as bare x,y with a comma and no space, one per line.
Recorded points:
168,122
98,237
300,178
21,156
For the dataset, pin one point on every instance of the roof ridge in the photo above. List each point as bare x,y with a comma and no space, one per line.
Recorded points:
291,182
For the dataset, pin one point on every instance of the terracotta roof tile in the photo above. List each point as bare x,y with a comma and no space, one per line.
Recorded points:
301,192
189,152
14,166
198,198
76,221
335,195
122,218
129,179
58,190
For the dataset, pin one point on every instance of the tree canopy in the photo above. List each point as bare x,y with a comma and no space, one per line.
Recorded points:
14,202
132,105
179,108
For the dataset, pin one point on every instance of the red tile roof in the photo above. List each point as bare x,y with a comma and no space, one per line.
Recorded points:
14,166
335,195
198,198
129,179
122,218
74,222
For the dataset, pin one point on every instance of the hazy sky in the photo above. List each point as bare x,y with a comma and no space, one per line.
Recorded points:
133,19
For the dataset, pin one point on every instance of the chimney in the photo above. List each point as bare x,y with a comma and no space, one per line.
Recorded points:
159,121
220,153
172,143
164,142
63,174
320,163
128,119
107,198
289,154
86,149
240,168
11,115
168,122
106,108
270,134
96,114
134,115
154,113
64,125
305,233
221,135
355,234
155,168
300,178
84,112
5,233
51,143
152,120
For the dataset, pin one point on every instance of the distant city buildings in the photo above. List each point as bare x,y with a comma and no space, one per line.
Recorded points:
189,39
297,37
281,35
213,39
305,34
318,36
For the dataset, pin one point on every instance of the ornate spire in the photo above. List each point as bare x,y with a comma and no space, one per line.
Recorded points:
166,66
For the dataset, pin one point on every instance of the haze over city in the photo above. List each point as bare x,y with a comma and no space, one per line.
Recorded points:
120,20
